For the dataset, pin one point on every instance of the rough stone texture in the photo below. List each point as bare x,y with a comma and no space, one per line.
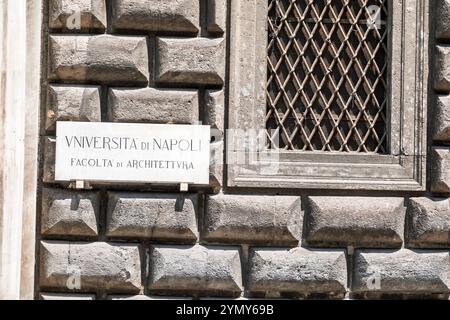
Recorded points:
195,61
403,271
69,213
428,222
440,123
297,271
161,61
99,266
169,217
49,148
63,296
156,15
199,270
77,15
442,19
355,221
72,103
217,16
440,170
442,68
100,59
253,219
153,105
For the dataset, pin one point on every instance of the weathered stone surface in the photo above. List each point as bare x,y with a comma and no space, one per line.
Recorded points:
440,123
49,160
440,170
100,59
72,103
69,213
402,271
200,270
442,68
253,219
112,267
442,19
156,15
65,296
77,15
153,105
297,271
153,216
428,222
355,221
197,61
217,16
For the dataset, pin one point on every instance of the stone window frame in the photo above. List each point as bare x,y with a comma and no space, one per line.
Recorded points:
403,170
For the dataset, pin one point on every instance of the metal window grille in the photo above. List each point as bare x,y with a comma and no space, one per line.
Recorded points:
327,75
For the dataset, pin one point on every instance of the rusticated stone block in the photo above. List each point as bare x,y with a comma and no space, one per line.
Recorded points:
77,15
156,15
355,221
66,296
253,219
69,213
428,222
72,103
167,217
102,59
442,68
442,18
217,16
49,160
153,105
195,270
441,118
403,271
90,266
440,170
197,61
298,271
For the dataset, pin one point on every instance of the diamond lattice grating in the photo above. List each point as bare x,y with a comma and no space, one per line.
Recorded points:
327,75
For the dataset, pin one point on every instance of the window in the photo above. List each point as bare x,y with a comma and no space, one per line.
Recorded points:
339,90
327,75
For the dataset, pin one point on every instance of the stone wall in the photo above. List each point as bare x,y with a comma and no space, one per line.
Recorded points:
157,61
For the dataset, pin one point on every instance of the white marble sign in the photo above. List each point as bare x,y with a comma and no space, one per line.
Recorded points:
122,152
